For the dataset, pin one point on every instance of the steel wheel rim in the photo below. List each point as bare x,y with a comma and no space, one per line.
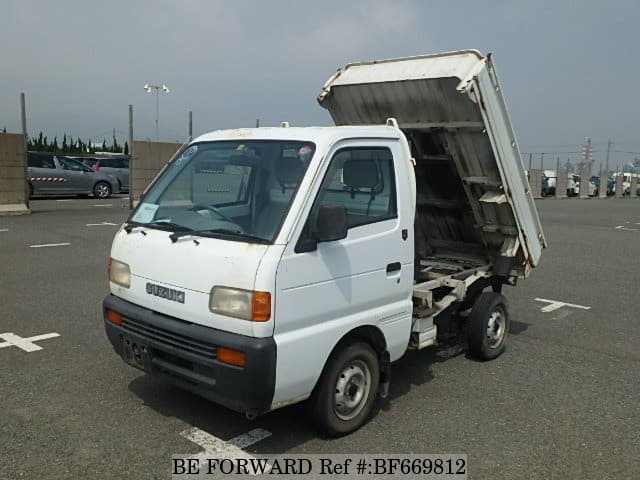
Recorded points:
352,390
103,190
496,327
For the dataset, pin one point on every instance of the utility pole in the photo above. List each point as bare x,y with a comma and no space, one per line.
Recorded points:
258,122
131,159
23,119
530,160
542,161
585,172
609,145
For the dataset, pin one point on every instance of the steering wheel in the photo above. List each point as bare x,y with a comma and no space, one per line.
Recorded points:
216,210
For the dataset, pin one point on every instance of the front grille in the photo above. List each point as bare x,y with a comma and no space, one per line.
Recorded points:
170,338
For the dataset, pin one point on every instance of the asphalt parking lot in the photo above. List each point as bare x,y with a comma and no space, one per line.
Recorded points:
562,402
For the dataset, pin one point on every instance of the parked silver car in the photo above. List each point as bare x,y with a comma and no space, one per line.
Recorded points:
49,174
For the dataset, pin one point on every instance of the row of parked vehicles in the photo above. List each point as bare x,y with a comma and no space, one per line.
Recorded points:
573,184
100,176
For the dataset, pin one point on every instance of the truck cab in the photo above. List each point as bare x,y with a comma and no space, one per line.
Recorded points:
268,266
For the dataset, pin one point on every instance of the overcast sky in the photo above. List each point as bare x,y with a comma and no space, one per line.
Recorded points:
569,69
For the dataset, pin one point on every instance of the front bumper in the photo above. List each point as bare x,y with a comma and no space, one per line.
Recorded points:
184,354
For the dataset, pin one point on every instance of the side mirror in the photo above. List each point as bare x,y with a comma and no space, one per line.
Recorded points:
332,223
331,226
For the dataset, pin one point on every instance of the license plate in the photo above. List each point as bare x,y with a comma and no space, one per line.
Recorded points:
136,354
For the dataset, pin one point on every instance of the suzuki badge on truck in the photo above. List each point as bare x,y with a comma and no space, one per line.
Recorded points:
269,266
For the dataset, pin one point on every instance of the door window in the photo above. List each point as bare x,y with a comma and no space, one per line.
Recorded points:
40,161
68,164
361,179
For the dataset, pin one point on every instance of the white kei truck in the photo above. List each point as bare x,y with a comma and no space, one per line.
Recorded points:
267,266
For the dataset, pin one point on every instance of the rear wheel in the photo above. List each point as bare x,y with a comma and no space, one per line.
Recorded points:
488,325
102,190
346,392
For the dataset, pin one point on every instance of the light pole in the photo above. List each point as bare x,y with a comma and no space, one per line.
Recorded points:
150,88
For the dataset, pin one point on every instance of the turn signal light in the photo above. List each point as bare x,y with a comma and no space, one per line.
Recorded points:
115,317
261,308
232,357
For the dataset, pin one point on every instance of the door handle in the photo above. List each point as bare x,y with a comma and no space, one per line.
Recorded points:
393,267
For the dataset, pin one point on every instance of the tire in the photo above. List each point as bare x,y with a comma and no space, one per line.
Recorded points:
102,190
488,326
344,396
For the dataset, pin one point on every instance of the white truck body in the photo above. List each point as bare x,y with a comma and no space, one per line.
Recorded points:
387,230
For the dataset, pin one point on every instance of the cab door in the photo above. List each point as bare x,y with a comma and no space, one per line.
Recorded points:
363,279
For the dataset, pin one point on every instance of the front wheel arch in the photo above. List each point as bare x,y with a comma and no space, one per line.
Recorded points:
366,333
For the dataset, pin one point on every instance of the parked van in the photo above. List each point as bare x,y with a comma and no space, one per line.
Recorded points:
268,266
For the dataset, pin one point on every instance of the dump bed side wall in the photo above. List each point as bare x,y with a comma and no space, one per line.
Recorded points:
507,154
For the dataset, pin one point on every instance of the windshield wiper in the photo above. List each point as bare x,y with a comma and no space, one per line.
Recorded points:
158,224
215,232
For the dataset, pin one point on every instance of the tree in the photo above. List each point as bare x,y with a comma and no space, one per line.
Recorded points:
104,144
54,145
126,148
4,130
64,143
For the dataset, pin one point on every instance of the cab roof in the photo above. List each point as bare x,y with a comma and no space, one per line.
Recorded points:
308,134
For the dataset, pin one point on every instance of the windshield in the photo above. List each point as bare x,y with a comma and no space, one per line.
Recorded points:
239,190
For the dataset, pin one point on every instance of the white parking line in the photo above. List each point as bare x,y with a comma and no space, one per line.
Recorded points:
556,304
234,448
49,245
26,344
101,224
622,227
65,200
103,205
4,229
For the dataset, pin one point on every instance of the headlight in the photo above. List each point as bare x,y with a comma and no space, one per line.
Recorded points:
119,273
238,303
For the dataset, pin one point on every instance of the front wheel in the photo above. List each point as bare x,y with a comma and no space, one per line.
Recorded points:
346,392
488,325
102,190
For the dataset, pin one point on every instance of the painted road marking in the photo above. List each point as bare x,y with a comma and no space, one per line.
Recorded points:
213,445
25,344
103,205
4,229
622,227
49,245
101,224
555,305
64,200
